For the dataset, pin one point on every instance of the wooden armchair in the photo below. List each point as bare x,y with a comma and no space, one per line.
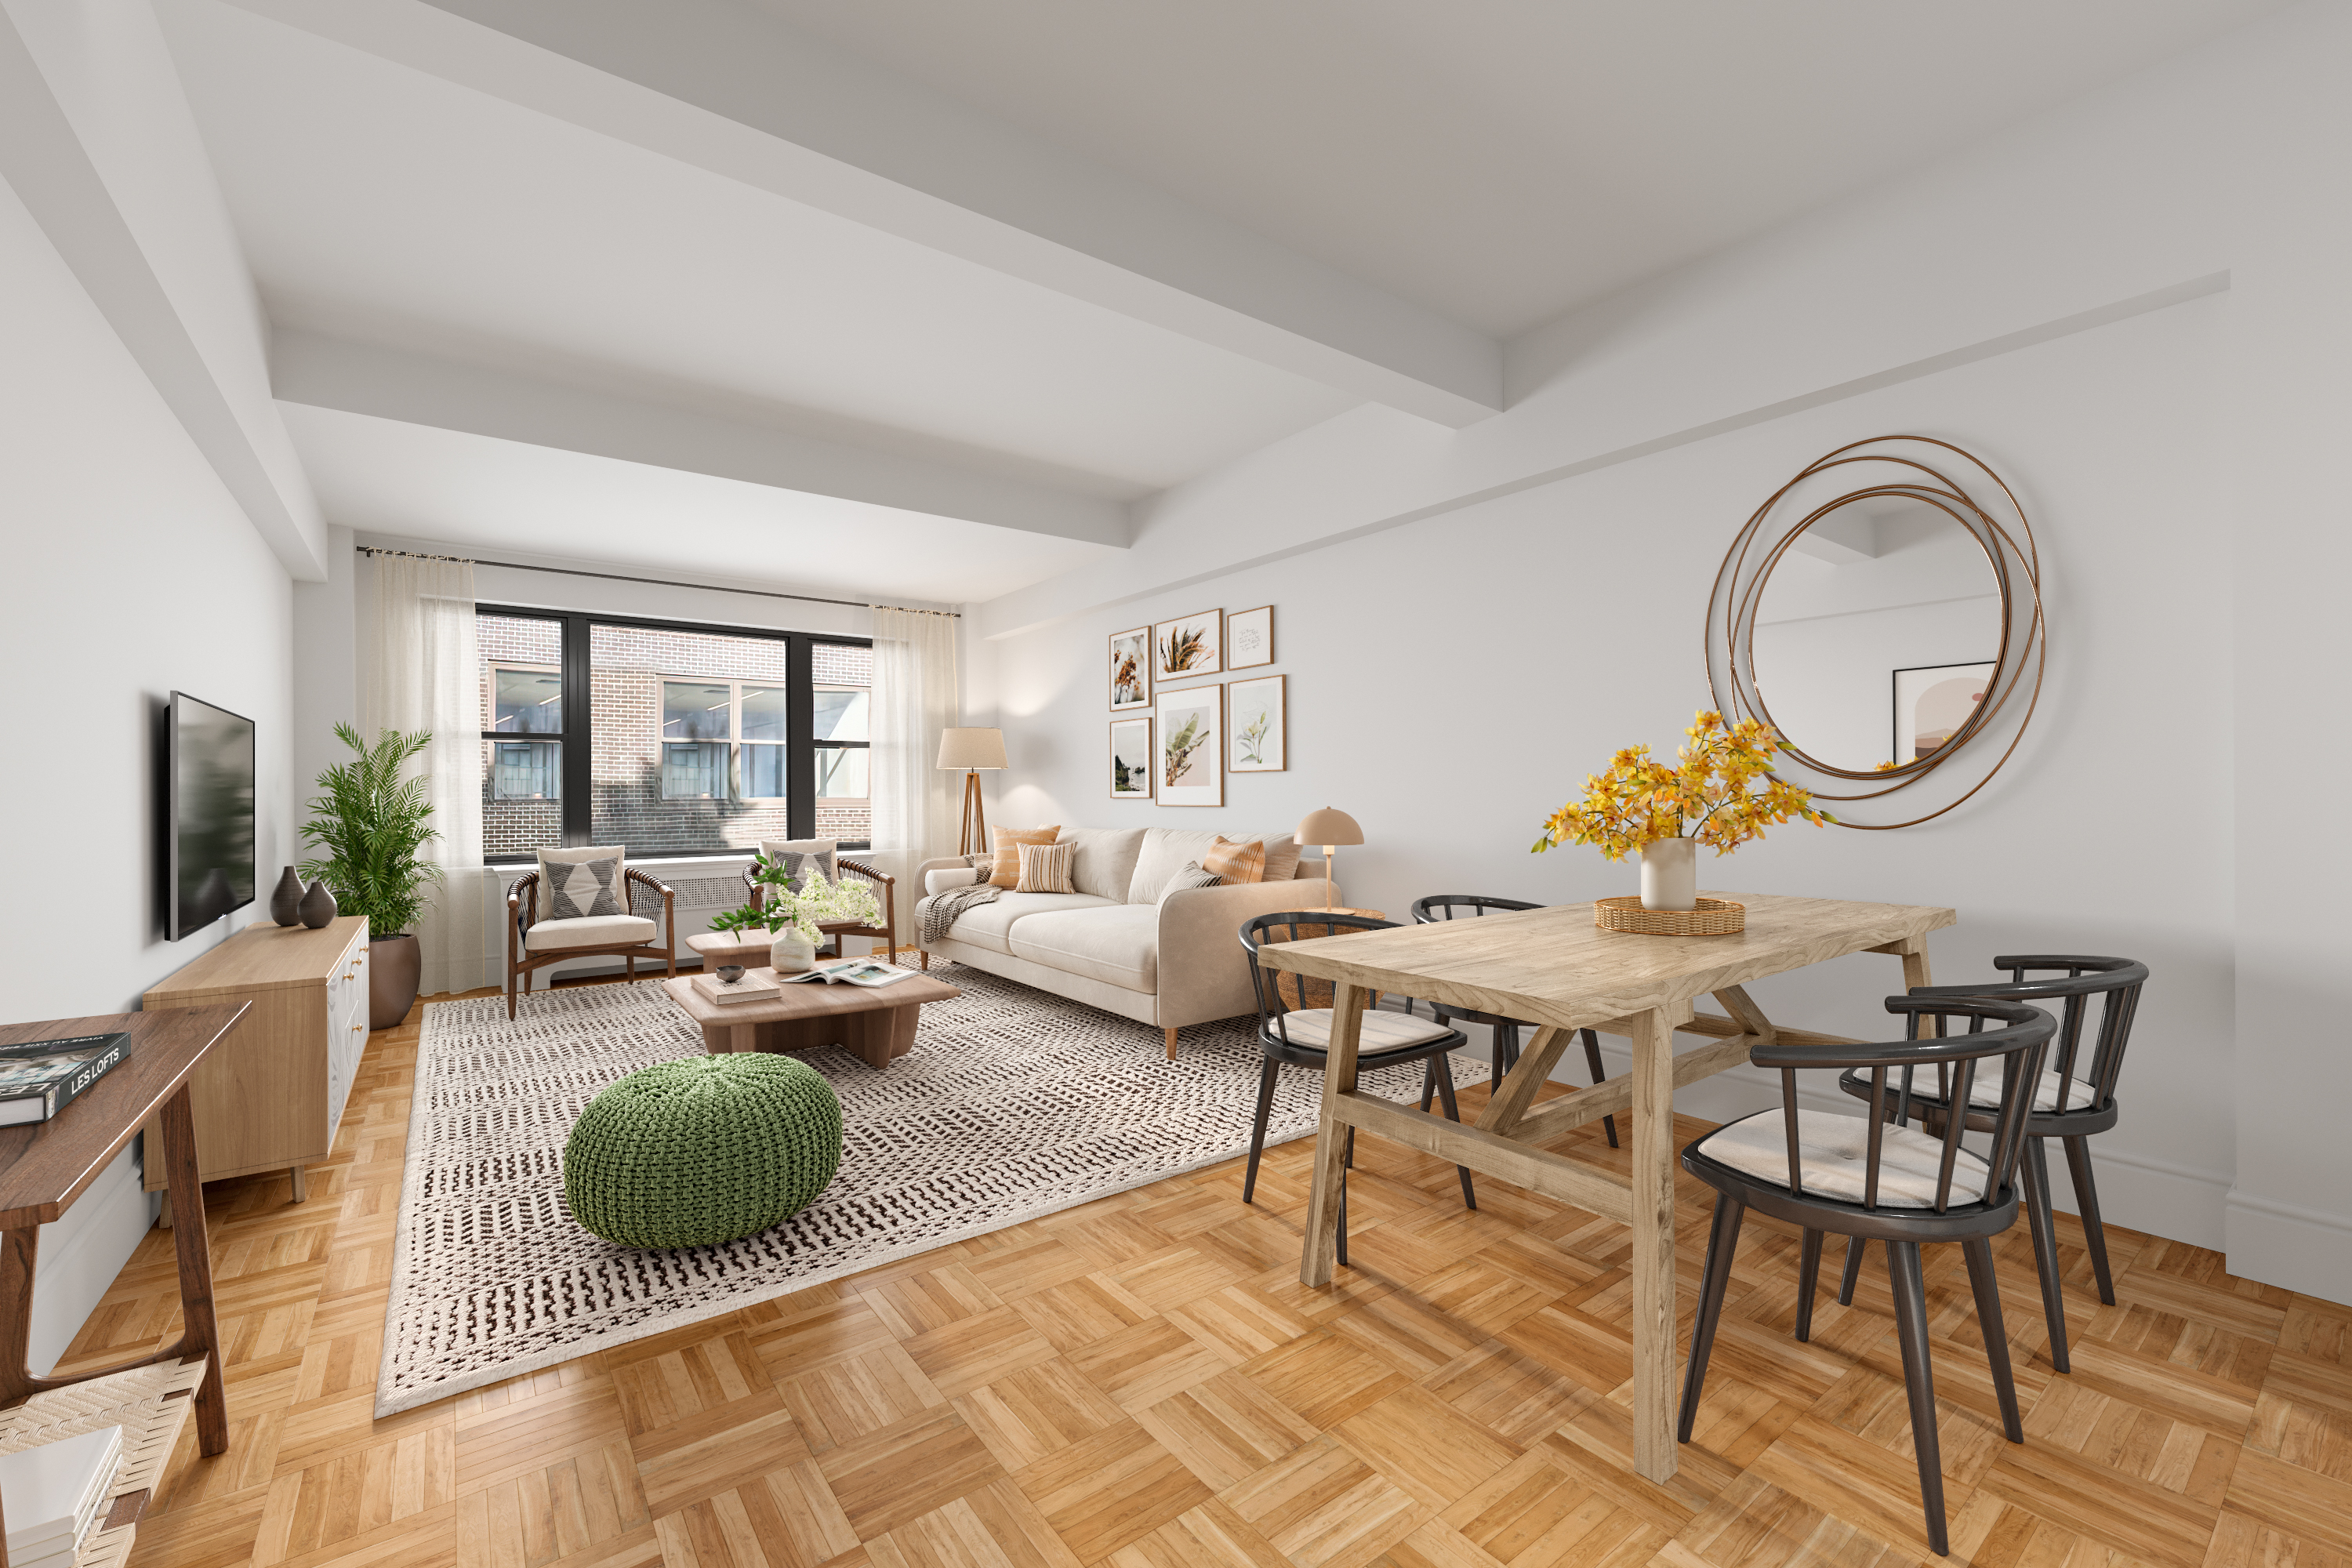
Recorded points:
629,936
886,889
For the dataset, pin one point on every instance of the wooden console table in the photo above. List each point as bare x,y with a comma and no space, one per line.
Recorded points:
1554,968
45,1167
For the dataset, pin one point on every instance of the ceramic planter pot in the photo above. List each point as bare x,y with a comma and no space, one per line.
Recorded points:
393,966
1670,874
791,953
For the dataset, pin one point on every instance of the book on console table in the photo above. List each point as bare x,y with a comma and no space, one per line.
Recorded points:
40,1078
750,987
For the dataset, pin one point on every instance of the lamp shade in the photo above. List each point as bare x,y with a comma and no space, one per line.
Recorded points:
1327,826
963,749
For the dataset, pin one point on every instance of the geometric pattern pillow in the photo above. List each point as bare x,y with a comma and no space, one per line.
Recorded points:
583,888
801,858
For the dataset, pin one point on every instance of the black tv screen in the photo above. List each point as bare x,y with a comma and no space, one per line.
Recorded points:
210,830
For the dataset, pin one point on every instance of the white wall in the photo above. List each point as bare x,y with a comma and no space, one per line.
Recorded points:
2193,510
130,572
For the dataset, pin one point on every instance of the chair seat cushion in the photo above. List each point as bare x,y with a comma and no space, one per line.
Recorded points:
1834,1154
1383,1031
589,930
1984,1090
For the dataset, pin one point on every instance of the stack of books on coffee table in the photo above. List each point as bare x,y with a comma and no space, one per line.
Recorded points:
756,985
54,1493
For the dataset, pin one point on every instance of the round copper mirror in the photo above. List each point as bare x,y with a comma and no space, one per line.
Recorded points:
1882,611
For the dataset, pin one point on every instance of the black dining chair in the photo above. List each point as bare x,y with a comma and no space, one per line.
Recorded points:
1872,1178
1301,1037
1443,907
2075,1099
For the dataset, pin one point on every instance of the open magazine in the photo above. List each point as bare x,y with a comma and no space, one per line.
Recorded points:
852,972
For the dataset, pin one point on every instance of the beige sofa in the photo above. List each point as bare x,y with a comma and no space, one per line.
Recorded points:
1116,944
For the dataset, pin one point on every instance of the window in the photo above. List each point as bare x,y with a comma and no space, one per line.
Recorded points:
670,739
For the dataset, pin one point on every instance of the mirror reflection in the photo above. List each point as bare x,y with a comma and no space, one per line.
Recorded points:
1876,634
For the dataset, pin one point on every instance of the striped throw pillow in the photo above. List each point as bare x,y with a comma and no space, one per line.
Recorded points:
1008,842
1192,875
1236,862
1045,867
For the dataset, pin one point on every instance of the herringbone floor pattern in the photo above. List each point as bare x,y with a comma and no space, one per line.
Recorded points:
1143,1382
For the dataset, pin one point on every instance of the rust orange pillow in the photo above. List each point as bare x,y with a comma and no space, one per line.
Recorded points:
1007,843
1236,862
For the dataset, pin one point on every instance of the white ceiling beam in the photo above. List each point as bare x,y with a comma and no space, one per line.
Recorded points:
44,159
730,89
419,389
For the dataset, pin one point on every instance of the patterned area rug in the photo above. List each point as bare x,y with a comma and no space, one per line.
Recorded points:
1012,1104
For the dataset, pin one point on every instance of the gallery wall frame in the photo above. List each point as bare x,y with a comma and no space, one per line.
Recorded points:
1131,760
1188,755
1188,646
1257,725
1129,672
1249,638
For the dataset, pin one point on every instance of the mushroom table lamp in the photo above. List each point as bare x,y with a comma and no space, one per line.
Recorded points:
973,750
1331,830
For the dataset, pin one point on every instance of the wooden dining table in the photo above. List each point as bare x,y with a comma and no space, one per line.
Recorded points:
1554,969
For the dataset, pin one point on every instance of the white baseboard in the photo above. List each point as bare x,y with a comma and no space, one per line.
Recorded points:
2290,1246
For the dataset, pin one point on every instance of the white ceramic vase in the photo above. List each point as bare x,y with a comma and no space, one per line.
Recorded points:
1670,874
790,953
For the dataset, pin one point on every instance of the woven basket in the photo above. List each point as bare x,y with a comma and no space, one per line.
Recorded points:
1714,916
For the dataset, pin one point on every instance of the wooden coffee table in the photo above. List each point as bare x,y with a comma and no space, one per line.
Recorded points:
876,1023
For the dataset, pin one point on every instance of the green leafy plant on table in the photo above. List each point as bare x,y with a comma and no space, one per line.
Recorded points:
814,902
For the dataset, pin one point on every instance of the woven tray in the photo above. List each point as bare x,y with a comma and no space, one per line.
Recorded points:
1714,916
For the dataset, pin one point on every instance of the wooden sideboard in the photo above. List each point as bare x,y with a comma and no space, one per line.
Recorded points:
270,1095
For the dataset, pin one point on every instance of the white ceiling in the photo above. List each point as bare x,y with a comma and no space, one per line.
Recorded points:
1502,161
410,481
973,277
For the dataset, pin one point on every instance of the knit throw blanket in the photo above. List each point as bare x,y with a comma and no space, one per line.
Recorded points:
943,911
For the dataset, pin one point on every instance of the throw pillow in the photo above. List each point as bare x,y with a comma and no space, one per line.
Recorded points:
1236,862
1045,867
937,882
804,857
578,889
1282,852
544,902
1008,842
1193,874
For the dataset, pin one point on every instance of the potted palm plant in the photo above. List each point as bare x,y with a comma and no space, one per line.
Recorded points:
369,826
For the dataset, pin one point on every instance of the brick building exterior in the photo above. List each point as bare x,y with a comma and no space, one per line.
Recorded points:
627,668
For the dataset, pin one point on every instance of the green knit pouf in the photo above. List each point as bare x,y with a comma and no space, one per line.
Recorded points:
703,1150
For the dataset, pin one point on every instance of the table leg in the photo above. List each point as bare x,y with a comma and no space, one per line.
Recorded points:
1653,1201
1322,1248
188,1239
742,1038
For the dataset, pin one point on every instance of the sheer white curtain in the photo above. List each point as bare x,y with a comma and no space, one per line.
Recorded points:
915,698
429,675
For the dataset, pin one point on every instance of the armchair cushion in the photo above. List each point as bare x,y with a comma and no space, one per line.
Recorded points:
591,930
558,869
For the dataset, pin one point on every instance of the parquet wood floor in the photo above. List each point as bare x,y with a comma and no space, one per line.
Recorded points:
1144,1382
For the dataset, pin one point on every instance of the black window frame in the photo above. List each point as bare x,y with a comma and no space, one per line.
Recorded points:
578,802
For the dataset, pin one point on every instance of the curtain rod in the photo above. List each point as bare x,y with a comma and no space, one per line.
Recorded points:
650,581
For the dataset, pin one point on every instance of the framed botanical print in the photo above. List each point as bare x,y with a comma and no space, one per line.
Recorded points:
1130,758
1188,768
1933,704
1188,646
1249,638
1253,726
1130,670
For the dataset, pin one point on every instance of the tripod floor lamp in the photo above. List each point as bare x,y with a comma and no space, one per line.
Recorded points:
973,750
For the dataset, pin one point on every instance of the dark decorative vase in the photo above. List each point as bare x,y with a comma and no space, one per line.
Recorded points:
318,906
286,900
393,968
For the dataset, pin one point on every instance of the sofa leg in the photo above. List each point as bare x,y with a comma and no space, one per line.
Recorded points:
927,960
1172,1045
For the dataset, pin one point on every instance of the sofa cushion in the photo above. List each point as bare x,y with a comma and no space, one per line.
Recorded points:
1118,943
1165,850
1045,867
985,925
591,931
1008,842
1106,859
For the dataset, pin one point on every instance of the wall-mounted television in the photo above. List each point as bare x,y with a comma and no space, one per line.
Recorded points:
208,833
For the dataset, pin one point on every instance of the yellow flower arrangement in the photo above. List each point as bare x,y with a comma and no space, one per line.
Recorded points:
1722,792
